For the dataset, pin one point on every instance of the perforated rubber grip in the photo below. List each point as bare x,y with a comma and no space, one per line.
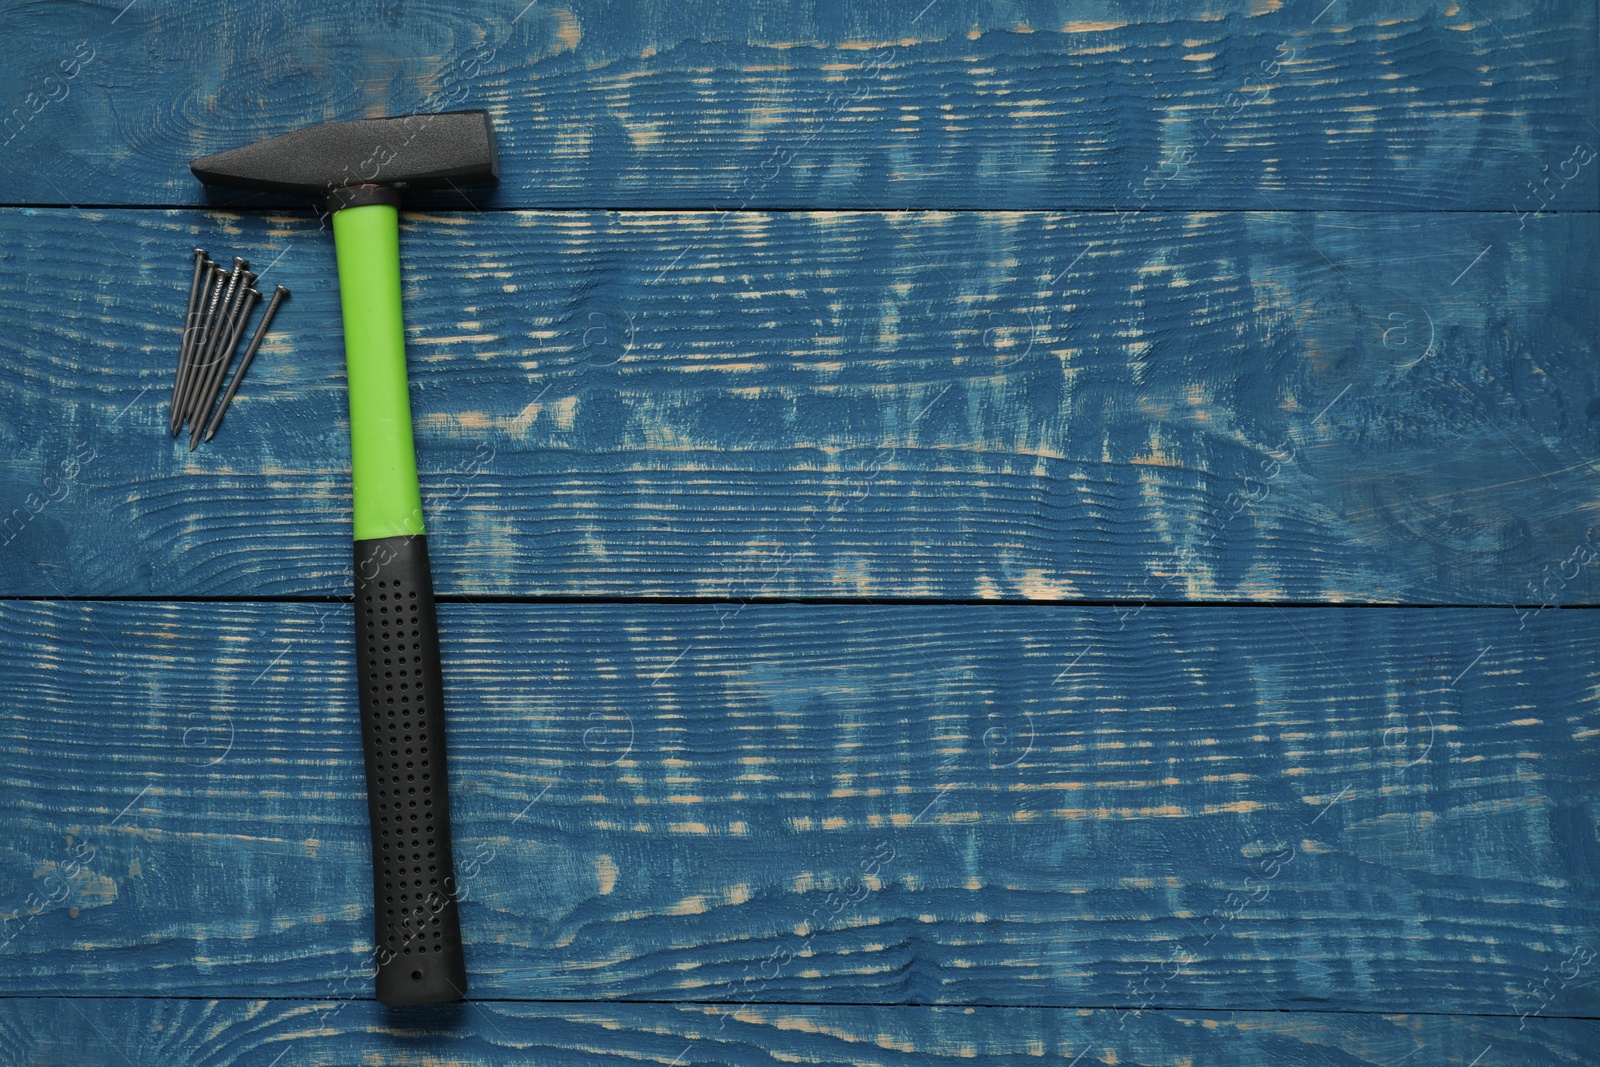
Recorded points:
418,931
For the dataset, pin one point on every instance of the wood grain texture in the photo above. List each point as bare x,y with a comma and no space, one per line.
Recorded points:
260,1033
1325,407
1049,104
1382,810
1058,300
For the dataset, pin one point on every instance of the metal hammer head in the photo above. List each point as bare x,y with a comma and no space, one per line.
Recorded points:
407,152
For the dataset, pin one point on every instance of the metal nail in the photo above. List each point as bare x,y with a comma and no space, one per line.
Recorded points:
214,338
247,304
244,363
219,352
203,328
196,290
210,286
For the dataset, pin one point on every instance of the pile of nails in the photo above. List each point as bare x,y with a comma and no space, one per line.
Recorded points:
220,303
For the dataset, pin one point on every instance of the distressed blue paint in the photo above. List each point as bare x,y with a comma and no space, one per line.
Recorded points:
243,1033
1060,806
726,104
656,799
1042,406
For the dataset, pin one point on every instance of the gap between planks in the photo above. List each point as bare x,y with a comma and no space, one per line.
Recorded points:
822,601
427,208
1182,1009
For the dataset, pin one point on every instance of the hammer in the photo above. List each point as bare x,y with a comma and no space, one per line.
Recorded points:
361,168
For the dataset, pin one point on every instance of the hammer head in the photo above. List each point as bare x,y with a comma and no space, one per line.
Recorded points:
407,152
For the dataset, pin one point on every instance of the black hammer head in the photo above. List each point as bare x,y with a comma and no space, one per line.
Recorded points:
407,152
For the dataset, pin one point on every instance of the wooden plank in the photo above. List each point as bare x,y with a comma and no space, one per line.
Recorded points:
277,1033
1069,103
1388,809
996,405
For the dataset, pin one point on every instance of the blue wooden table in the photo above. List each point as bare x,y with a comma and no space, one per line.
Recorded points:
1053,530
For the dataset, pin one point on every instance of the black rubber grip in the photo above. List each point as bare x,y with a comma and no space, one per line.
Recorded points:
418,931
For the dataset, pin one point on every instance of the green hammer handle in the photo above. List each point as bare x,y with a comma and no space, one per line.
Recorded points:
386,500
418,932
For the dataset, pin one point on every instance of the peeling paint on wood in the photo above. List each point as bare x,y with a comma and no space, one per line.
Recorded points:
1374,809
1258,406
1056,103
1251,301
289,1033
